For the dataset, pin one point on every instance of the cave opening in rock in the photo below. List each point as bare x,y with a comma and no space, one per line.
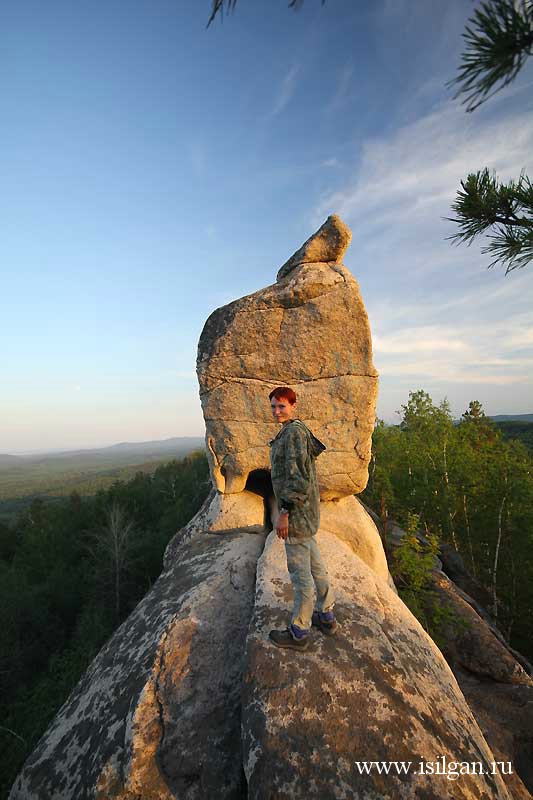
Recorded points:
259,482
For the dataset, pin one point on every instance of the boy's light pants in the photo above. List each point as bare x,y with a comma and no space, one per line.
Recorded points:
307,571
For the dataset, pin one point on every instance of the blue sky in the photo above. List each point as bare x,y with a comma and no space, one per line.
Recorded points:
153,170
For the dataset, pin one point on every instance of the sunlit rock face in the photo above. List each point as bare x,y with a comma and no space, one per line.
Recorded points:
378,691
309,331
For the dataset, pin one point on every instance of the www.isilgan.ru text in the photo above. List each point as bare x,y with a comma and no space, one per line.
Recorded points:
449,769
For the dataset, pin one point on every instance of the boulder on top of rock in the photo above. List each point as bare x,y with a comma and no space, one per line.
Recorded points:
328,244
308,331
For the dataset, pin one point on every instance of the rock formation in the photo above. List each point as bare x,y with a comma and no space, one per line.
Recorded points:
310,331
381,691
189,699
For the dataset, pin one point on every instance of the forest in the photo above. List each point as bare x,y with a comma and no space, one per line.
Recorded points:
467,485
72,569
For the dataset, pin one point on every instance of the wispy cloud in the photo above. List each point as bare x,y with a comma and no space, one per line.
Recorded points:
286,90
330,162
418,340
413,174
342,89
455,353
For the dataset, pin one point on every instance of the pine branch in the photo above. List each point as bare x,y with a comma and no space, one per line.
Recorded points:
483,204
498,40
515,249
219,6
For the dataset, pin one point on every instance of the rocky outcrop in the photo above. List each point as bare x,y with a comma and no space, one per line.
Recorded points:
157,715
378,691
469,640
495,680
189,699
309,331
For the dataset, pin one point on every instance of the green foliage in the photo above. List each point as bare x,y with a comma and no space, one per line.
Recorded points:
522,431
483,204
471,488
412,564
70,572
499,38
219,6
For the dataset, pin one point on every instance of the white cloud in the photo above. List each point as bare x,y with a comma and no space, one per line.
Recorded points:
342,90
286,90
452,353
330,162
420,340
412,176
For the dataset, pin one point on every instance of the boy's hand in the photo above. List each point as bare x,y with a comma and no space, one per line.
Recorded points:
282,525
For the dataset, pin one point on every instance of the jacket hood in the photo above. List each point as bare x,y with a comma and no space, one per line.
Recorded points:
315,445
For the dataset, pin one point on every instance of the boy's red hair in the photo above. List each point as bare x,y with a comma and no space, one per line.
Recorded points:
283,392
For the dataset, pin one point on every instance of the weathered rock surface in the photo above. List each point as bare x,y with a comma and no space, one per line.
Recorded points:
378,691
494,680
504,712
309,331
157,715
349,521
471,643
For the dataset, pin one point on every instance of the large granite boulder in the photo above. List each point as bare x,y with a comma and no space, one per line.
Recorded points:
349,521
309,331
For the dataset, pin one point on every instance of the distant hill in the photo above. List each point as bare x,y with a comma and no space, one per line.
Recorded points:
8,461
52,475
177,444
513,418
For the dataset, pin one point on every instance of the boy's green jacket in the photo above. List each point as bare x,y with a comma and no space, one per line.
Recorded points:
293,470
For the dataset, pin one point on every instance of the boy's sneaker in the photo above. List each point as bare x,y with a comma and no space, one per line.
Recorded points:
325,621
286,639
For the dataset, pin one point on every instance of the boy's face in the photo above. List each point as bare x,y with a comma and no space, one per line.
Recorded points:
282,411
